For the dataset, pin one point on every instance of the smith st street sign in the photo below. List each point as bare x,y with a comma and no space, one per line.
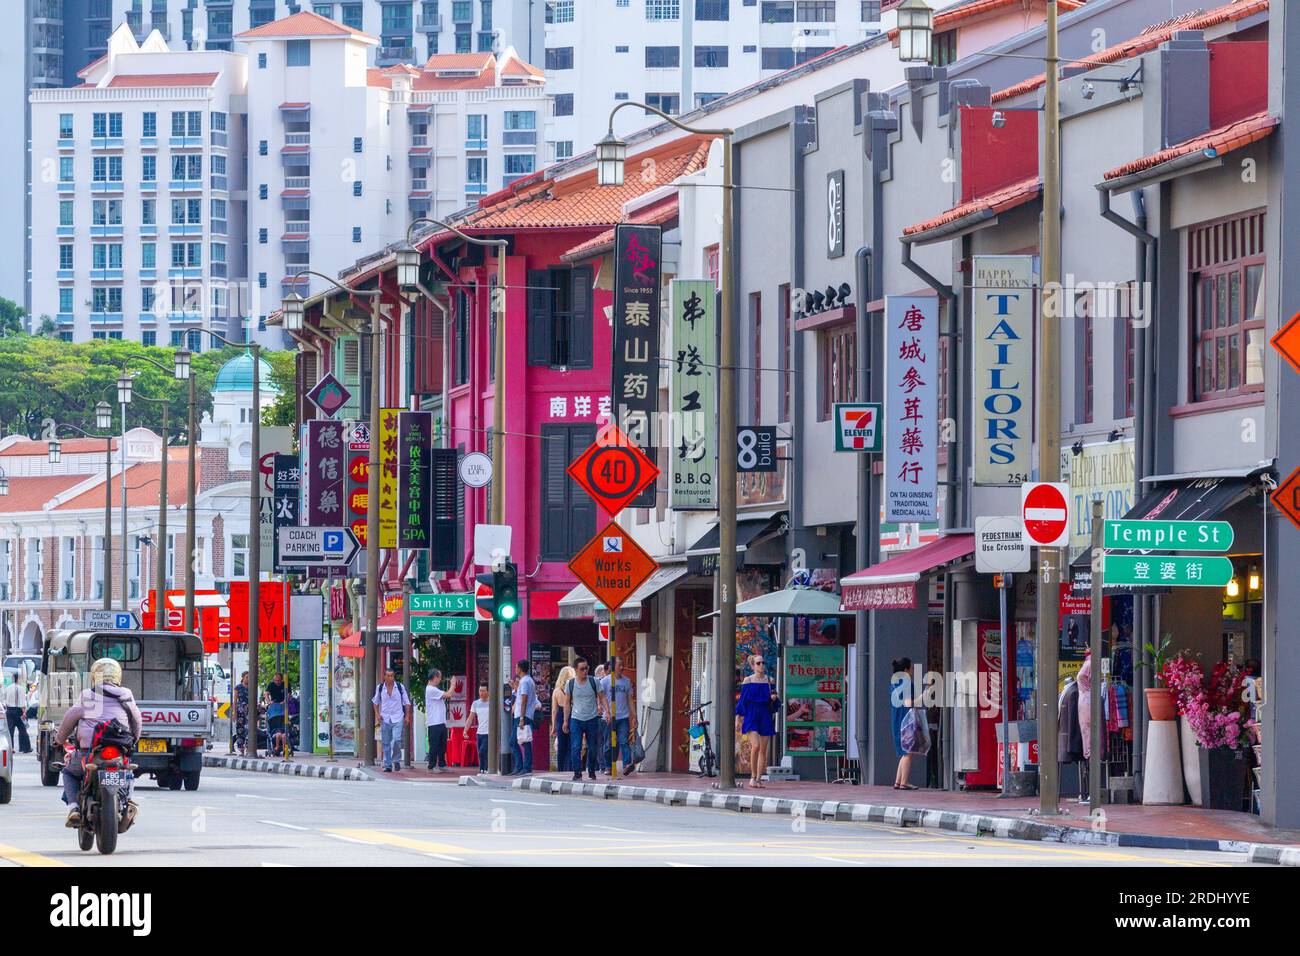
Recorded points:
458,603
443,625
1167,536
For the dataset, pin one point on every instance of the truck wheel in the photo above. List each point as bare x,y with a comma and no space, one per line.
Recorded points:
191,779
6,791
49,778
106,825
174,780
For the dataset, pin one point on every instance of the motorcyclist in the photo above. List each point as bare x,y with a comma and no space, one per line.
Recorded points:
105,699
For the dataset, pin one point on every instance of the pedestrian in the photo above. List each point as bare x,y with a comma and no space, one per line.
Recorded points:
602,722
754,716
392,713
900,700
15,700
435,718
586,699
275,697
523,712
622,701
480,712
560,717
241,714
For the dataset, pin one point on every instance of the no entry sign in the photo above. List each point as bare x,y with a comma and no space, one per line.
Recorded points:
1045,508
613,470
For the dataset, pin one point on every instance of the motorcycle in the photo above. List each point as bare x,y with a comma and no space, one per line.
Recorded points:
104,798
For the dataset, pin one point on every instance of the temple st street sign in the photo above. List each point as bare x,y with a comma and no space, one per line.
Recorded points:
459,603
1167,536
443,625
1164,570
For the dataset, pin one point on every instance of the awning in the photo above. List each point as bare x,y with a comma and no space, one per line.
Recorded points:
749,531
581,605
1196,499
791,602
350,645
892,584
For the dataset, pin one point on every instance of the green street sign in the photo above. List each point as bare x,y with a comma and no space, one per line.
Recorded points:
444,625
447,603
1166,570
1167,536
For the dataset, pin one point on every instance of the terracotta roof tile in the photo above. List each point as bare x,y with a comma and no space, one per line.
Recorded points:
30,494
654,215
1149,39
458,61
69,446
142,486
1214,143
955,16
304,24
1008,197
149,80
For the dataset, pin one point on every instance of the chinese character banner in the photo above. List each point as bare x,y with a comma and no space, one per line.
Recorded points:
388,479
324,485
415,430
694,394
911,407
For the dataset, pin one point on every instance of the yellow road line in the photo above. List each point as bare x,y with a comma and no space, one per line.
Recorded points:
25,857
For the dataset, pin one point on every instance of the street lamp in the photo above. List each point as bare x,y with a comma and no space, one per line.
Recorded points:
103,421
160,549
915,31
103,416
408,277
291,312
56,451
611,153
124,389
182,371
181,364
4,483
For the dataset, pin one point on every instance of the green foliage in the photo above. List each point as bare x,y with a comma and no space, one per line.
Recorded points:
445,652
1157,656
11,318
283,376
278,657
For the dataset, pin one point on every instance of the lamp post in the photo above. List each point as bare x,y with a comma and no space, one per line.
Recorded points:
611,153
291,312
181,370
103,422
123,400
160,549
408,278
914,39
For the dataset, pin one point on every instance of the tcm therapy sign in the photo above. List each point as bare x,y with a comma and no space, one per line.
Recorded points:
1003,366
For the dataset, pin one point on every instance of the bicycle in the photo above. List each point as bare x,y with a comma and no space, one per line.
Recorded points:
700,728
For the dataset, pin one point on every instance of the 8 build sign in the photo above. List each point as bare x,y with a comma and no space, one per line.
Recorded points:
1002,378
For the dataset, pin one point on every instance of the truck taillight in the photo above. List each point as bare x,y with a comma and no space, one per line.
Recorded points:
192,742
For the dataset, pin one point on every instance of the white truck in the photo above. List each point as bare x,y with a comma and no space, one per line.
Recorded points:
163,669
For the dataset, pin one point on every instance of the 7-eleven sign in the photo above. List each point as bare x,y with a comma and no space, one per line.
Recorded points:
858,426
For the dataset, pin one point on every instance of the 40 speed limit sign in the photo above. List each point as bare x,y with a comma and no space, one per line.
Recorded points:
613,470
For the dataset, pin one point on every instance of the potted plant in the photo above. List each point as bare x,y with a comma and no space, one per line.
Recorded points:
1160,699
1214,707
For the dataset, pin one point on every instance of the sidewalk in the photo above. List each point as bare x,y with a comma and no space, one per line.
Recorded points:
344,767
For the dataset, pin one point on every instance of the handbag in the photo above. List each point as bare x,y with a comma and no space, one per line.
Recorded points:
525,734
638,749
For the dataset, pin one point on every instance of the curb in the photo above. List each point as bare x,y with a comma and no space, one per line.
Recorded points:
282,767
978,824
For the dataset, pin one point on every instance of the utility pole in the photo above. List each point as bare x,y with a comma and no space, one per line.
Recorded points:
374,589
254,547
722,707
108,521
1097,734
499,638
190,493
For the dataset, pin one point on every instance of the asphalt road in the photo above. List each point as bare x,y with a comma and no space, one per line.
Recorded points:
239,818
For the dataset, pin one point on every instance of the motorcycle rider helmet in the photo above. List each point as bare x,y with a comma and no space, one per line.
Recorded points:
105,671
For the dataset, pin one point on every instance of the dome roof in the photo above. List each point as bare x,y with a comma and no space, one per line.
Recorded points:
237,375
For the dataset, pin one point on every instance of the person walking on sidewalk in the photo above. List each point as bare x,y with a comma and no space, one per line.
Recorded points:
602,722
15,699
622,701
480,713
586,700
524,710
435,715
754,716
560,717
900,702
241,714
392,713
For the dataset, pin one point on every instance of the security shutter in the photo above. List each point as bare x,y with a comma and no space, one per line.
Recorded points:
446,503
539,317
582,510
555,494
580,333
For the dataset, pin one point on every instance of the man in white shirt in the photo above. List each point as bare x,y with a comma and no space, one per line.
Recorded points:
435,715
524,709
15,700
392,713
479,714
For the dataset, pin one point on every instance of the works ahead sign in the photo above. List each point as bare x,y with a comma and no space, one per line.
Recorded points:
612,566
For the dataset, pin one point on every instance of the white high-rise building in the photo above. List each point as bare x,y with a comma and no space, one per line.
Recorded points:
178,190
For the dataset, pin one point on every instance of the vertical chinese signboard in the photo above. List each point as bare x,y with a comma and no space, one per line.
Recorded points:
814,698
388,477
415,438
694,394
324,482
275,440
911,406
635,379
1002,377
288,484
358,478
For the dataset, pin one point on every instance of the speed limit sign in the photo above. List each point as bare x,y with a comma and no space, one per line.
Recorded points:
755,448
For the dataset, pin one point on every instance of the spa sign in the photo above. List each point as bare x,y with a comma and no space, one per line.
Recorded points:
814,698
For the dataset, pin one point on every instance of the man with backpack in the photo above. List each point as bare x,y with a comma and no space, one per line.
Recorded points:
586,702
392,713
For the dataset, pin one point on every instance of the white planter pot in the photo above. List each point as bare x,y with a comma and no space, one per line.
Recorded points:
1191,761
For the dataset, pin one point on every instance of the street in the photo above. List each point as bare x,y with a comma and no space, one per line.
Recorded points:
257,819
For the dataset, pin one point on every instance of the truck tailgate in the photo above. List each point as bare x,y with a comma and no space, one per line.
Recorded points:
186,718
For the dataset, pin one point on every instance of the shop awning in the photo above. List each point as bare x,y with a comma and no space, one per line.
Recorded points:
350,645
1193,499
892,584
581,605
791,602
750,530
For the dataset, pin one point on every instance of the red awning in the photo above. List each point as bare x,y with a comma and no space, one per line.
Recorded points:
891,584
392,621
350,645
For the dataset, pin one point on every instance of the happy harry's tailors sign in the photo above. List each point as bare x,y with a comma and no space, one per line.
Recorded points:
1002,378
911,407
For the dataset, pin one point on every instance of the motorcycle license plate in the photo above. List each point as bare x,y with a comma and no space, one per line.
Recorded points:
114,778
153,746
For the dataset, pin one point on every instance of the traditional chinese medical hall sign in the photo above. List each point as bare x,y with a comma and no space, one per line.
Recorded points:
911,407
635,379
694,393
324,477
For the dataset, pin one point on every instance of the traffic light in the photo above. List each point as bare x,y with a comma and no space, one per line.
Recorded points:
502,605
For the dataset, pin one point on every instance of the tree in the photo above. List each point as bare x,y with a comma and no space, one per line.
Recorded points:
47,328
11,318
283,411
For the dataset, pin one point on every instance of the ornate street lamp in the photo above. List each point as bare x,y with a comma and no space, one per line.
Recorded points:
181,364
56,451
103,416
124,390
408,266
610,155
915,31
291,312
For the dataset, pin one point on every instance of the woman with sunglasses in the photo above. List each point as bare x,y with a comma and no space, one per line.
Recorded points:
758,702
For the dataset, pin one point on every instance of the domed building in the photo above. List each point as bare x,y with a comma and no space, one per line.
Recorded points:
232,406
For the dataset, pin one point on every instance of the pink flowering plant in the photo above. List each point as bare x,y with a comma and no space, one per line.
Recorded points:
1214,705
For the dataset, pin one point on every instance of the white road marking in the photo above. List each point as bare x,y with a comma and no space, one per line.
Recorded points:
287,826
836,859
522,803
264,863
682,865
258,796
443,856
348,839
598,826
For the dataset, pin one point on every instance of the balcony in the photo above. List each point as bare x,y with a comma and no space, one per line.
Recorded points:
431,24
297,139
419,139
67,186
519,137
106,231
218,138
149,186
391,54
476,189
186,185
106,186
105,318
477,145
298,229
419,186
220,184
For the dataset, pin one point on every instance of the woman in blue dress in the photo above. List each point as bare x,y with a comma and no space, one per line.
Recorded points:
754,711
900,702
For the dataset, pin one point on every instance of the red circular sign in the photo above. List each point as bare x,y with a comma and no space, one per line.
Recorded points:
615,471
359,468
1047,515
357,501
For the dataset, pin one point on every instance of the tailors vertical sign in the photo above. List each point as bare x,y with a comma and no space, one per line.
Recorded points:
911,407
1002,378
414,525
694,393
635,379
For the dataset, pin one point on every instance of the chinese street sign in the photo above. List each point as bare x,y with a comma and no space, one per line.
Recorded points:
324,486
694,394
612,566
755,448
414,528
1128,570
1045,510
911,407
388,480
288,485
1002,377
1168,535
429,624
274,440
858,426
613,470
329,395
635,378
461,602
1287,342
358,478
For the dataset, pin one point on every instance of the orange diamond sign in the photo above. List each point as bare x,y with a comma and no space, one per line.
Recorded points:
613,470
612,566
1286,497
1287,342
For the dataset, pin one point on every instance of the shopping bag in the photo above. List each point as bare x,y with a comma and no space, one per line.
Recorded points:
638,749
525,734
914,733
